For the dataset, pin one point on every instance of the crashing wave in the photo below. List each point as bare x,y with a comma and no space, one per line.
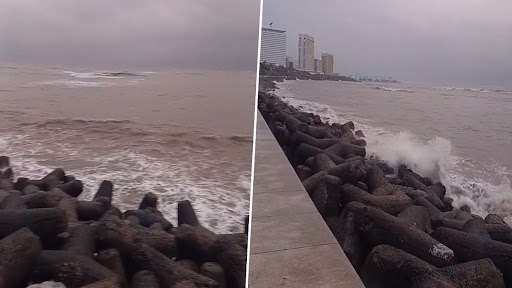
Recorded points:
431,158
394,89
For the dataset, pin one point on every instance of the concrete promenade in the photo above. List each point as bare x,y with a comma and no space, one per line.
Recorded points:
291,246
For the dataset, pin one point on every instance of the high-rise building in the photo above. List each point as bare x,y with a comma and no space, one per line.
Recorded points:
318,65
306,52
327,63
290,62
273,46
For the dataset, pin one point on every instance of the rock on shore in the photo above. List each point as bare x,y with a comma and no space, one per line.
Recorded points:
49,238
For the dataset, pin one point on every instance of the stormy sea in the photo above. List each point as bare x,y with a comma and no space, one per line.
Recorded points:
458,135
179,134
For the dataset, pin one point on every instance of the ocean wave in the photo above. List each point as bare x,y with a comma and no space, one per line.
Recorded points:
393,89
93,75
9,67
117,131
431,158
218,138
405,148
209,138
219,192
74,122
241,139
83,128
70,83
190,73
477,90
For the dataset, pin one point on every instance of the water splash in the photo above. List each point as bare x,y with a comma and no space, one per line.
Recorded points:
430,158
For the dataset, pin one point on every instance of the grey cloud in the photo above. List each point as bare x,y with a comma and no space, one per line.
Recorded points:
221,34
456,41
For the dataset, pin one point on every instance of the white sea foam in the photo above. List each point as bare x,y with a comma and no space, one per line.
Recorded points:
394,89
70,83
218,203
428,157
244,181
477,90
432,158
91,75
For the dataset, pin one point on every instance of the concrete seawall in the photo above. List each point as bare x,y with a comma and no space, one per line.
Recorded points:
291,245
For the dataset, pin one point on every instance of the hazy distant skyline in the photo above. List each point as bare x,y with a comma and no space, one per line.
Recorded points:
205,34
434,41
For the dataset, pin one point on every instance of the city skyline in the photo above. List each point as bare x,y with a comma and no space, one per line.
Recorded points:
274,49
413,42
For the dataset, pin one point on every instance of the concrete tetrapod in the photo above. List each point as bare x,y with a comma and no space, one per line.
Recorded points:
345,231
304,151
113,232
321,162
380,227
149,201
19,251
186,214
292,124
349,172
145,279
46,223
377,183
71,269
344,149
81,240
111,258
387,266
392,204
167,270
148,217
470,247
298,138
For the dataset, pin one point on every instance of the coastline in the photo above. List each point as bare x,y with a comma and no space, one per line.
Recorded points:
49,235
395,226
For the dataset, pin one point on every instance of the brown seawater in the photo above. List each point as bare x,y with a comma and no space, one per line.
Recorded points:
178,134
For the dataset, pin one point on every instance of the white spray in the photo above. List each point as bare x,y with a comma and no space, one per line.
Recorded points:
429,158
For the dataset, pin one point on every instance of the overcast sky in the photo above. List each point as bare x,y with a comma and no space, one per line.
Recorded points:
434,41
211,34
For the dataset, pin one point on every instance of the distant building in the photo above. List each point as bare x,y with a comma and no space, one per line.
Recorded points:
290,62
318,65
306,52
273,46
327,63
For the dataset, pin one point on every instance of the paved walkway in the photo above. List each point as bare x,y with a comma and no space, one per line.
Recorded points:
291,246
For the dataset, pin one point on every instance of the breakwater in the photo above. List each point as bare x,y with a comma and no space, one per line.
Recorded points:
47,234
397,228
